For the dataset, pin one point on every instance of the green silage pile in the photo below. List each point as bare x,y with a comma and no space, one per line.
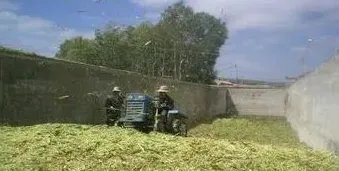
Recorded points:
257,129
80,147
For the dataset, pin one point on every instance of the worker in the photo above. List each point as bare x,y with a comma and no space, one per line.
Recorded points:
114,105
166,103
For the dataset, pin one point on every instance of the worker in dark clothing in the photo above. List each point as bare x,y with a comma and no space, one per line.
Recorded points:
114,104
166,103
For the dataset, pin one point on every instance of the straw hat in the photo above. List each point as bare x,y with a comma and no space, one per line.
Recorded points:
116,89
163,89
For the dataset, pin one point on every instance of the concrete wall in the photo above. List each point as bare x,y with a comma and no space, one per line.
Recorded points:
312,107
258,101
30,88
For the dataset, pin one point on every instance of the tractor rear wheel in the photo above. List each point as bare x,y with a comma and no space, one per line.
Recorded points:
183,129
179,127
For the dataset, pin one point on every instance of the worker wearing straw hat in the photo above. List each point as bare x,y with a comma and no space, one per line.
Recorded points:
166,104
164,97
114,104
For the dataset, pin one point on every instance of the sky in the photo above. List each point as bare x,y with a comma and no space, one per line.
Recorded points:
267,38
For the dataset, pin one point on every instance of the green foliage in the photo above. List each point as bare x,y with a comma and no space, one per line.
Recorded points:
182,45
84,147
78,49
9,51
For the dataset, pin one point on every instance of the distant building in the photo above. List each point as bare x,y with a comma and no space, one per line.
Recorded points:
297,77
223,82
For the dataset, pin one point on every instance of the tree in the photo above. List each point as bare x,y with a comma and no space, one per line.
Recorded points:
183,45
196,36
112,47
142,48
78,49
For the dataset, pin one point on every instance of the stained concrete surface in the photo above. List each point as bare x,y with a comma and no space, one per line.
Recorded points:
40,90
312,107
269,102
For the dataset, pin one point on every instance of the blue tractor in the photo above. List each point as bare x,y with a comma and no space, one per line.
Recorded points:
138,113
142,113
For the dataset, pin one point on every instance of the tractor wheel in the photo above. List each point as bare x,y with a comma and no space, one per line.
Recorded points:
179,127
176,126
183,129
109,122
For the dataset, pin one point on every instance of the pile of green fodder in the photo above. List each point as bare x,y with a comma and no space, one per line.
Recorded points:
83,147
257,129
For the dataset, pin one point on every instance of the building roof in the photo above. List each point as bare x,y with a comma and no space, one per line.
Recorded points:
223,82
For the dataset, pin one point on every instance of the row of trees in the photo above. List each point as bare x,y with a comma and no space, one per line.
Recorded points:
182,45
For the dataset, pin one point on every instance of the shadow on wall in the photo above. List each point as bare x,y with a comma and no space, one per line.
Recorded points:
230,111
92,110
